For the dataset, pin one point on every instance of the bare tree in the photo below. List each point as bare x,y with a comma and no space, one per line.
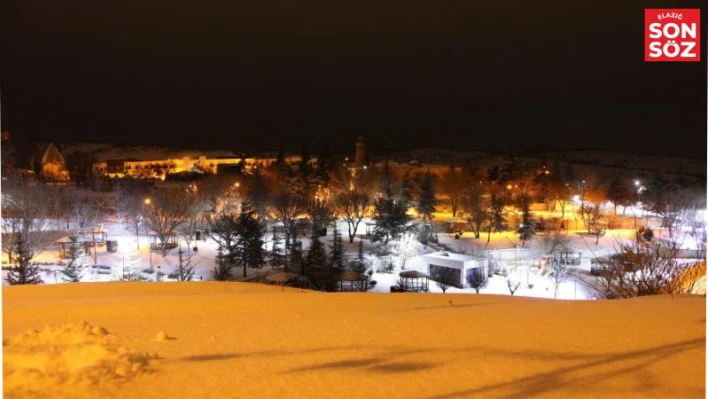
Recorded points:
287,207
320,212
560,273
453,184
193,221
353,206
85,208
163,213
406,247
185,270
475,205
446,277
555,240
353,198
594,218
496,220
649,269
477,281
223,229
27,214
127,203
673,205
513,285
559,193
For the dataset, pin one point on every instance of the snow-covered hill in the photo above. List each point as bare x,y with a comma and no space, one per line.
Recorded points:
646,164
240,340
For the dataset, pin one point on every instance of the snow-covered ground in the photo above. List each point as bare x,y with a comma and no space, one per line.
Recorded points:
241,340
108,266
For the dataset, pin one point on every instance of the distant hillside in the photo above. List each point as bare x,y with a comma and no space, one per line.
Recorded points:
643,165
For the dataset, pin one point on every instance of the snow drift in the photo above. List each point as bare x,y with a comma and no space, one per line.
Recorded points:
239,340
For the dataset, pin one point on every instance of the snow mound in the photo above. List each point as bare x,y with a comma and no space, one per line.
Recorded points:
70,355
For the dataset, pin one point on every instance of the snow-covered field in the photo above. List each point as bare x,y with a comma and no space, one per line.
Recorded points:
241,340
106,266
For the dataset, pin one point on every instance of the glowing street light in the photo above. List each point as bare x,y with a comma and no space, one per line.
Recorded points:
147,201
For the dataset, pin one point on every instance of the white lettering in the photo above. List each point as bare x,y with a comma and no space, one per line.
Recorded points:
671,30
688,31
654,49
655,31
687,47
671,49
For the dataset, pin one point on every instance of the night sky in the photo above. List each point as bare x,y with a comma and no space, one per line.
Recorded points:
487,75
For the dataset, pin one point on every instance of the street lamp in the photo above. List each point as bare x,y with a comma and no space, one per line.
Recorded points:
147,201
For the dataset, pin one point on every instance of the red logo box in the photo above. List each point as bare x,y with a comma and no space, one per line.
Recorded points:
672,34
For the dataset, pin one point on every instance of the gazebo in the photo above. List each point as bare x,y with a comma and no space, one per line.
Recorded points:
278,228
281,278
169,243
455,225
65,246
351,281
414,281
370,225
570,258
95,235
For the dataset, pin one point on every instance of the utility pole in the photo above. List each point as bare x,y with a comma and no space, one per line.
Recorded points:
95,249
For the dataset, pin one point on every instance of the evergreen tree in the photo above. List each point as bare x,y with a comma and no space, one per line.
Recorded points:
527,228
426,198
320,271
72,271
185,271
296,259
316,256
250,252
496,221
224,266
391,219
24,272
277,257
337,251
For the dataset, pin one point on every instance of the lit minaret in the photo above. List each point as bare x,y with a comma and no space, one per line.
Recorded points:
360,155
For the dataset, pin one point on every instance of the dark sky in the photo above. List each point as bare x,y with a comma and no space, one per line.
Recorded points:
269,73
